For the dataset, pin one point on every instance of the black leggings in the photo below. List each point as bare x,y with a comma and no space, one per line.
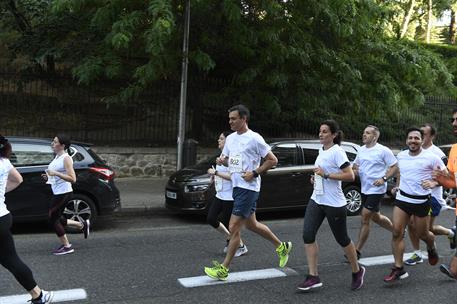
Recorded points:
9,258
56,220
224,208
336,217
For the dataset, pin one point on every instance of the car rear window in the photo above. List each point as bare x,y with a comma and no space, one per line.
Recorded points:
31,154
96,158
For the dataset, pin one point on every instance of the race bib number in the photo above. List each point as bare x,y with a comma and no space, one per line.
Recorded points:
318,184
236,163
218,183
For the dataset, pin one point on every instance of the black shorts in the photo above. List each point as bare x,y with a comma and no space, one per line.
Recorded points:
420,210
372,201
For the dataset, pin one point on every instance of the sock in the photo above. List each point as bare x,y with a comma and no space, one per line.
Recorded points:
451,233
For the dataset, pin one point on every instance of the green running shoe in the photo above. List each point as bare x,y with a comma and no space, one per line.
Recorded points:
283,251
217,272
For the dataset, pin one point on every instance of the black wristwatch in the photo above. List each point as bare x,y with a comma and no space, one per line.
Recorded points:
384,178
255,173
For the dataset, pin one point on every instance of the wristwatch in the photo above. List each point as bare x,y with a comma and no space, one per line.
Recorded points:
255,173
384,178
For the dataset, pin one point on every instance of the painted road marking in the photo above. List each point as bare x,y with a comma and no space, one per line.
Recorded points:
387,259
59,296
242,276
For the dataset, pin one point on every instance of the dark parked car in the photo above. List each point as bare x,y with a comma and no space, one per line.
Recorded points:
287,186
94,192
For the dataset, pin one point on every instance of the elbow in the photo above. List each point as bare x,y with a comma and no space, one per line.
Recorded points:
20,180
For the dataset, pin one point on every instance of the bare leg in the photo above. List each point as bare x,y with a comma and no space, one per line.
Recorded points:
262,230
364,228
351,254
382,221
413,234
400,220
312,256
236,223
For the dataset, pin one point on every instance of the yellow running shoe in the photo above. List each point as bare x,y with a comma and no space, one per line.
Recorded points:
217,272
283,251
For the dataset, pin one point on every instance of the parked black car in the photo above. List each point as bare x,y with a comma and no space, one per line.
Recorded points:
94,192
287,186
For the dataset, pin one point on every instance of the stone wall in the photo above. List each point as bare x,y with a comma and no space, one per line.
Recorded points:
145,162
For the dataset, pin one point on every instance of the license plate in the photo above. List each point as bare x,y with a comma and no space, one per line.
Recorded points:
170,194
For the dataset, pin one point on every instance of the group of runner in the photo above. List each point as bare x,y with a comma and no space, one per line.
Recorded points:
420,172
59,175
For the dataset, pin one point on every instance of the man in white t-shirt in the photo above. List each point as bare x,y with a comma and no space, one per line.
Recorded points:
374,164
437,201
242,153
413,194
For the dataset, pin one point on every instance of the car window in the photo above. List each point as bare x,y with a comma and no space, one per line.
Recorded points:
310,155
31,154
286,155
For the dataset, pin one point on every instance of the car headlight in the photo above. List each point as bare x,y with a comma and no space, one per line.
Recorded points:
199,184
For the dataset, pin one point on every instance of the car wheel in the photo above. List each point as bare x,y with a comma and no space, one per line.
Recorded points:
80,208
353,199
449,196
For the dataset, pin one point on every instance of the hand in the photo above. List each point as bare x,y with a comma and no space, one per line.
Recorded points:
44,176
247,176
221,161
318,170
378,182
311,179
211,171
429,184
394,191
440,173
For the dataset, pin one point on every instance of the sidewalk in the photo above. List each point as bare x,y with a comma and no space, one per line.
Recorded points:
142,194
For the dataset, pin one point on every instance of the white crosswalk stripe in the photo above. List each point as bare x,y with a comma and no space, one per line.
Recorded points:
59,296
386,259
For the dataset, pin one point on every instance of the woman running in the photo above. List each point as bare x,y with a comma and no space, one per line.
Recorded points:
10,179
328,201
222,203
60,174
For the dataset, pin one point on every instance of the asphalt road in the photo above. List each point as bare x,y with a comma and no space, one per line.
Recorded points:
138,259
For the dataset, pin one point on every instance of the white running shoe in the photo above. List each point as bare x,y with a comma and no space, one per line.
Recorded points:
46,297
241,250
226,246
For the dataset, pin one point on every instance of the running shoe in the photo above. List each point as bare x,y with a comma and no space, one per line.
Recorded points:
241,250
310,282
357,278
86,228
61,250
46,297
283,251
414,259
444,269
217,272
452,239
433,257
396,274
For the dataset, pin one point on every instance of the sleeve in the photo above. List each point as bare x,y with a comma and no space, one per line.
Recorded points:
438,163
340,158
8,165
262,147
389,157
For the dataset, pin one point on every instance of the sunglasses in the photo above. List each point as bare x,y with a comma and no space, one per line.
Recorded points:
453,119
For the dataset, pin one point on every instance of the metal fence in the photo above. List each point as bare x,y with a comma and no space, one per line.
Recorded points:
43,106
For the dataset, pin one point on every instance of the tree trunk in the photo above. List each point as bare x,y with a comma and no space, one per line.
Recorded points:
408,14
429,21
452,27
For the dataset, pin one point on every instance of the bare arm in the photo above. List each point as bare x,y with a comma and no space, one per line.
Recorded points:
346,174
14,180
391,171
224,175
270,161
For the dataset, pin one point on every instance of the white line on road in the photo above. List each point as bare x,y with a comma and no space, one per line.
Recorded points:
242,276
59,296
386,259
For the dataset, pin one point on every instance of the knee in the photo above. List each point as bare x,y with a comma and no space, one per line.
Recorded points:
234,228
308,237
397,234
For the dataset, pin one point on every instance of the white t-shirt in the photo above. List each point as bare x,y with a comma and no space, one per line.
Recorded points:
245,152
414,170
58,185
437,192
223,186
5,167
373,163
330,161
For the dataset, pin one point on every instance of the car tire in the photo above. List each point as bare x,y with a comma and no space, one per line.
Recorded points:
353,197
79,208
